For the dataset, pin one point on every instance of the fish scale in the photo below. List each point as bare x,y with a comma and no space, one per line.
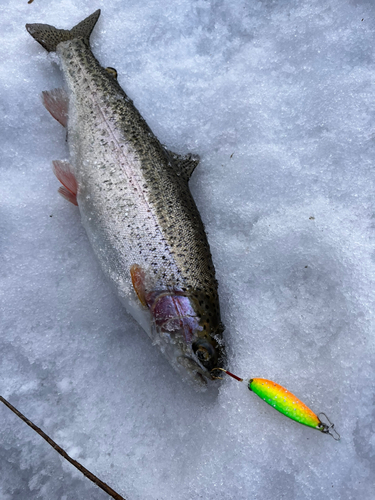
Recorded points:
131,167
137,208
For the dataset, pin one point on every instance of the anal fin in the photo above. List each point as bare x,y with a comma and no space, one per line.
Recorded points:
63,171
56,101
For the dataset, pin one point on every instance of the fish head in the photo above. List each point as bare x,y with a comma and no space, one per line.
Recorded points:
188,332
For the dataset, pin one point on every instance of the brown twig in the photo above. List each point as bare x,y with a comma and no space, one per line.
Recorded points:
63,453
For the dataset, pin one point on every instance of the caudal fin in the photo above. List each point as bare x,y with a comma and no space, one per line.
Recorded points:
49,36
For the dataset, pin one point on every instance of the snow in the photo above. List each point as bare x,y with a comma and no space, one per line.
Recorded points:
277,99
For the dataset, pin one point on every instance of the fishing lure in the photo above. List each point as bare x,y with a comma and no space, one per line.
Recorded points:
287,403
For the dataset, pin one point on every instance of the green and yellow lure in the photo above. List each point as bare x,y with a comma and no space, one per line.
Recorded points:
287,403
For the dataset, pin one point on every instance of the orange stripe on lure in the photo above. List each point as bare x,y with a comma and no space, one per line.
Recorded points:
287,403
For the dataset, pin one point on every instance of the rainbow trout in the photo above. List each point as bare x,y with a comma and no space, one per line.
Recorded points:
135,205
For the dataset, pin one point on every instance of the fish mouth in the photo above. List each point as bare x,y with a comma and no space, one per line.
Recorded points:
195,371
196,360
177,329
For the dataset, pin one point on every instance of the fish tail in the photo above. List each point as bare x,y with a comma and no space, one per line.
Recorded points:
49,36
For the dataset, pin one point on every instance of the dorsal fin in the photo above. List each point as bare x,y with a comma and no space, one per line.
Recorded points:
185,164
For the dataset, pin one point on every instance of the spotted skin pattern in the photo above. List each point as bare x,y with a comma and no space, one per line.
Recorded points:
134,199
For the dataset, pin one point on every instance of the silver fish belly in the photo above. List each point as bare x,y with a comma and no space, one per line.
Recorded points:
137,209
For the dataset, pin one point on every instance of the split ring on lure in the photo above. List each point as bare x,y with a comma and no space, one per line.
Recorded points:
287,403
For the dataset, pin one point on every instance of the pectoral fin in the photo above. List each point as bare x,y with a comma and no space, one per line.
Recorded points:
138,280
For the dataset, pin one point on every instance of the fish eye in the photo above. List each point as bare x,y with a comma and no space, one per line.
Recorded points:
205,352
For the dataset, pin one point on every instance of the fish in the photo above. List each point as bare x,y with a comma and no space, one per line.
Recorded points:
136,207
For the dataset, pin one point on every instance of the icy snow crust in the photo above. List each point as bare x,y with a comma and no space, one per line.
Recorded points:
277,99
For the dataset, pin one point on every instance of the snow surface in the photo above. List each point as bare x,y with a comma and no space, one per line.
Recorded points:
276,98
